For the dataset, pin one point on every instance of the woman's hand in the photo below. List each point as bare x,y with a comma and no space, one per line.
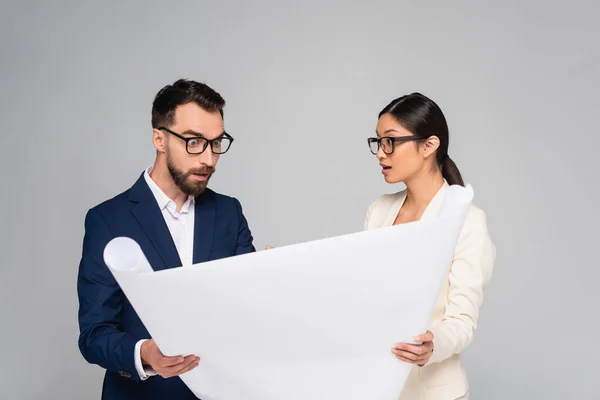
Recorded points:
417,354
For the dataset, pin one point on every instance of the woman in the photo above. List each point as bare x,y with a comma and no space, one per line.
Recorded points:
412,147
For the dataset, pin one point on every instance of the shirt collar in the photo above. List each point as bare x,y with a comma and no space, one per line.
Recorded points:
162,199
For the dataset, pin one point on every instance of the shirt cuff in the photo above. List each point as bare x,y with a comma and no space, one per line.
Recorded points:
144,373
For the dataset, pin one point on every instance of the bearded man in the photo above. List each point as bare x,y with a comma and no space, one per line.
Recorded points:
177,221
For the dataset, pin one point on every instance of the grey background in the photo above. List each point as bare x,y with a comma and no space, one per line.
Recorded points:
304,82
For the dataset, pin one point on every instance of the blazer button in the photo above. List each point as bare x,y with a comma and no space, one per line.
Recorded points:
125,374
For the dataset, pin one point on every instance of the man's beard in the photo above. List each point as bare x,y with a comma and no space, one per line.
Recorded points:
181,179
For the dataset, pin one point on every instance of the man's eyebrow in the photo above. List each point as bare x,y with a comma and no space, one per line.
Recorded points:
193,133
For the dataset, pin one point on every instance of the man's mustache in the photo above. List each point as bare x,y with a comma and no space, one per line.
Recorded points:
201,171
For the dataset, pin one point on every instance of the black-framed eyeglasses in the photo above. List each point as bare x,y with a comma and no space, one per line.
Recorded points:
387,143
197,145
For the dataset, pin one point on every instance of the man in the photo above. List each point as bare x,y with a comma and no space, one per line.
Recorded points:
177,221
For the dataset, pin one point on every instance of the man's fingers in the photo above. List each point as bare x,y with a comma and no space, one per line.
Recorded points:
165,362
178,368
168,372
189,367
175,362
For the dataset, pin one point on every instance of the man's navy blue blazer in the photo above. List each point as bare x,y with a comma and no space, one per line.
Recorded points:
109,327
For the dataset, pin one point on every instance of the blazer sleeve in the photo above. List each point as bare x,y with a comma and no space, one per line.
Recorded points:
244,239
470,271
101,339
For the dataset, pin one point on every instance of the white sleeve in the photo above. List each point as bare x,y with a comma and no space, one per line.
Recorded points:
137,354
470,272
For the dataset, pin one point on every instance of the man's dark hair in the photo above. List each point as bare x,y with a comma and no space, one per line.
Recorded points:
182,92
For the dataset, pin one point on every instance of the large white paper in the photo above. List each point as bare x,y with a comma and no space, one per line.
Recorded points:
315,320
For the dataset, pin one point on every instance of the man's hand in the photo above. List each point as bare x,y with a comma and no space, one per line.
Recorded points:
166,367
415,354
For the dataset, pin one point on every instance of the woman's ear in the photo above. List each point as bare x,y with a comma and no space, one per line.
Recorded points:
432,143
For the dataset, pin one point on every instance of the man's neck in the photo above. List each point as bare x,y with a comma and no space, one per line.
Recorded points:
165,182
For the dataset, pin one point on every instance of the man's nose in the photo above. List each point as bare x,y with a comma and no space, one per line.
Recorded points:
208,157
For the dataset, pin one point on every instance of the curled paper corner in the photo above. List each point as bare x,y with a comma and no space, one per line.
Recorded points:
123,254
456,200
459,194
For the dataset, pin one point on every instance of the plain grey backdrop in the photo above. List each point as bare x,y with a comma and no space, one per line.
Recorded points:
304,82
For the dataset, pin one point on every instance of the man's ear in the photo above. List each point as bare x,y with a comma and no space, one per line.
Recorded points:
159,140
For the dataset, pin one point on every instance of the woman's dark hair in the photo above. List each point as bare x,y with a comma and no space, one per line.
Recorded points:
182,92
424,118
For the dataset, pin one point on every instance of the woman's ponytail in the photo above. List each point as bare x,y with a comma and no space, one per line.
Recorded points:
450,172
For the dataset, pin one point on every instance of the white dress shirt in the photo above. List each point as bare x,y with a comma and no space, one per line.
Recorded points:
181,227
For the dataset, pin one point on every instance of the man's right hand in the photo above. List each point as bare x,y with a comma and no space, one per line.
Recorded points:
166,367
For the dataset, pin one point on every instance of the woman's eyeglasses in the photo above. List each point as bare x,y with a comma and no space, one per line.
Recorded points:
387,143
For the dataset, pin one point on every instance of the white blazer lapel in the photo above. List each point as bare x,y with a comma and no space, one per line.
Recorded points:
435,205
395,209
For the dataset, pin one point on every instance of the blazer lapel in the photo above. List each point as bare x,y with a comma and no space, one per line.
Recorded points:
434,206
204,225
149,216
395,209
431,211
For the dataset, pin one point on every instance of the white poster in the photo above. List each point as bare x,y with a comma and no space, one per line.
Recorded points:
315,320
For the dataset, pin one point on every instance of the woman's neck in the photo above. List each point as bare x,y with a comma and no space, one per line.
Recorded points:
421,190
